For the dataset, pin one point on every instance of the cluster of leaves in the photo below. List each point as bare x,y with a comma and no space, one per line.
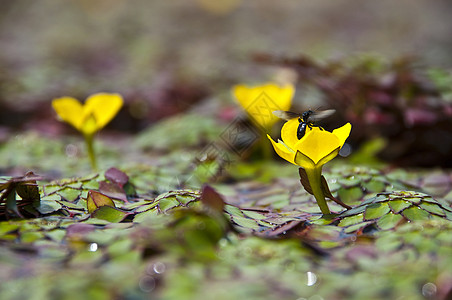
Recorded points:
100,236
394,100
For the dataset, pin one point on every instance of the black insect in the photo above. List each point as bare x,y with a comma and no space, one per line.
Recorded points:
306,119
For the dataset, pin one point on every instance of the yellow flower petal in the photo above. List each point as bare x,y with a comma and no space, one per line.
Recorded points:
329,157
260,101
343,132
103,107
69,110
282,150
89,126
289,133
317,144
304,161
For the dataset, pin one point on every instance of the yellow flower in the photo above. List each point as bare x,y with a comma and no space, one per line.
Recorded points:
98,110
260,101
315,149
311,152
89,118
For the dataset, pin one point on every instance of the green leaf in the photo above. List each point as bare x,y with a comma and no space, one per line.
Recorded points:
149,214
353,211
374,186
168,203
111,214
69,194
233,210
414,213
350,195
47,206
389,221
352,220
96,200
433,208
30,236
245,222
253,215
415,200
397,205
6,227
376,210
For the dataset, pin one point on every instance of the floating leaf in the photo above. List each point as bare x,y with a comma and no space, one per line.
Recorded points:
47,206
374,186
69,194
351,220
353,211
109,213
148,214
116,176
397,205
433,208
96,200
415,200
389,221
168,203
350,195
245,222
253,214
376,210
414,213
112,190
233,210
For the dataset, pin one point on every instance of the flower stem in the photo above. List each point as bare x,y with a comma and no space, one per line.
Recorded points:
314,177
90,147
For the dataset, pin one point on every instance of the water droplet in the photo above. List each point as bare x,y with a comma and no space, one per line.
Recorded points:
71,151
93,247
147,283
312,279
159,267
346,150
429,290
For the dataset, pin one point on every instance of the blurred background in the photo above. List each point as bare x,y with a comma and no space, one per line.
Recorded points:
166,57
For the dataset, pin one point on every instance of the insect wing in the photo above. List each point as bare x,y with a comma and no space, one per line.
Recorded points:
286,115
319,115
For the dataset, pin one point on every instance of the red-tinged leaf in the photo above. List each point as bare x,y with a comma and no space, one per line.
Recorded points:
304,181
211,199
117,176
96,200
112,190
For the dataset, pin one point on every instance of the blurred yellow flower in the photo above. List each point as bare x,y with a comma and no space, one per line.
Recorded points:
311,152
260,101
98,110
